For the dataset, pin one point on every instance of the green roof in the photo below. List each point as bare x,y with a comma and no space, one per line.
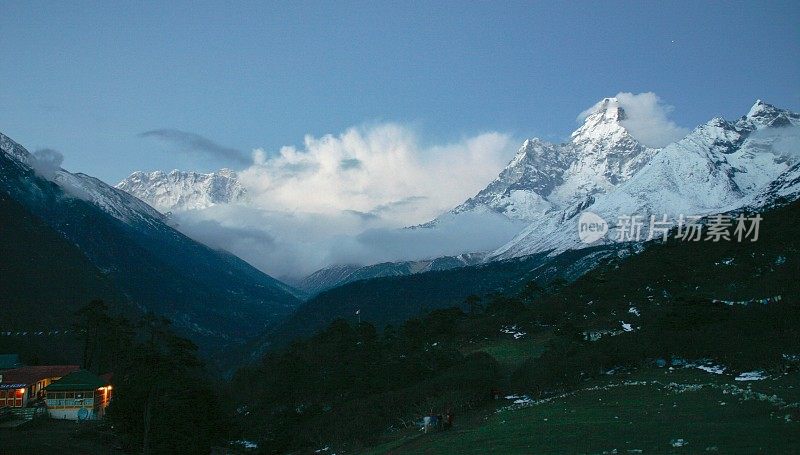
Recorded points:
79,380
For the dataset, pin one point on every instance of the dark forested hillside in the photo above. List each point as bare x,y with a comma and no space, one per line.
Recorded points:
137,258
723,303
393,300
41,268
44,280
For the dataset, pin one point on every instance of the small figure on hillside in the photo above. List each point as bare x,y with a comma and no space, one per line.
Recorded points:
426,423
495,393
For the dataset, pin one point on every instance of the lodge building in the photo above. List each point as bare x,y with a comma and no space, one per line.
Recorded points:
65,391
23,386
78,396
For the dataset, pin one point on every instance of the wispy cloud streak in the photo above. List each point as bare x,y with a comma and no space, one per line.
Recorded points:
195,143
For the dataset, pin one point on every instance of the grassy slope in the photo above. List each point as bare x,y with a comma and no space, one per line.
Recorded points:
511,353
645,411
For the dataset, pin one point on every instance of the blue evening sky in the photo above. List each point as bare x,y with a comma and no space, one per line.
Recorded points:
87,78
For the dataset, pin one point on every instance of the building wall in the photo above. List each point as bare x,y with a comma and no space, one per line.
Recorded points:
68,405
73,413
37,390
32,392
12,398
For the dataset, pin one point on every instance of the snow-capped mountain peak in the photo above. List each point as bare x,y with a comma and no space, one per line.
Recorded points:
116,203
763,115
543,176
182,190
605,154
719,167
603,133
758,107
519,191
602,123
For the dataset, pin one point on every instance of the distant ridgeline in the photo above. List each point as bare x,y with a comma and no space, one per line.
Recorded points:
393,300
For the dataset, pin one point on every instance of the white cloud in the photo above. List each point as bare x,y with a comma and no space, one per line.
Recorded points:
341,199
647,119
281,244
784,142
292,245
380,170
47,162
454,234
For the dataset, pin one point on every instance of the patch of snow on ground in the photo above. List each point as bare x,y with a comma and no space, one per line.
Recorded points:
715,369
513,331
633,310
626,327
246,444
751,376
520,399
678,442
